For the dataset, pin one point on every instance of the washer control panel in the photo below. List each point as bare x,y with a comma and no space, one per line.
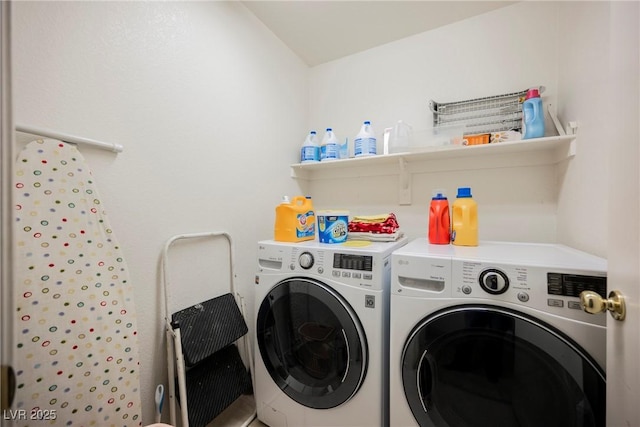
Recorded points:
362,270
355,266
366,267
344,266
352,262
306,260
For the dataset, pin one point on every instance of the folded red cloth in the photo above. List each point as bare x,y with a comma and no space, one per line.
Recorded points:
389,226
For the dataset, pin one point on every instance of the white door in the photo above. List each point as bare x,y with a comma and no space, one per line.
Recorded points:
623,338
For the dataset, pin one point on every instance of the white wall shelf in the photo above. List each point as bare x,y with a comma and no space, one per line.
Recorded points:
538,151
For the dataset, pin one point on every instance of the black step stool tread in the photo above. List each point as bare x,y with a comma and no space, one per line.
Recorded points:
209,326
214,384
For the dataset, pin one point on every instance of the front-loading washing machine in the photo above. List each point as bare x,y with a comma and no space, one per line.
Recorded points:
321,333
494,335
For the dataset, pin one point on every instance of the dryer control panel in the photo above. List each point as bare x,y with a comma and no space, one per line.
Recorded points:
571,285
494,281
544,277
554,291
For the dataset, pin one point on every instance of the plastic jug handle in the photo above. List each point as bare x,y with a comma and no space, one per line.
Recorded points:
299,200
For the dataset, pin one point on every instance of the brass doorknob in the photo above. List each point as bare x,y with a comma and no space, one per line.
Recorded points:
593,303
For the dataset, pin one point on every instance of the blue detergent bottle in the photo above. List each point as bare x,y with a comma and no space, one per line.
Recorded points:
532,115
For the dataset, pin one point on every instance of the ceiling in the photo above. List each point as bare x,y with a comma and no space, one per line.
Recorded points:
321,31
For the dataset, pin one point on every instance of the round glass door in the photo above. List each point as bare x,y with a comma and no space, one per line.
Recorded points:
312,343
486,366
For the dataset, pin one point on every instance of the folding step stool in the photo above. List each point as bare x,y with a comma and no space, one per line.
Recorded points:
201,347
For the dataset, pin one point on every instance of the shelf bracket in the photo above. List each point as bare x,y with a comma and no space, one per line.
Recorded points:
572,129
298,173
404,183
551,109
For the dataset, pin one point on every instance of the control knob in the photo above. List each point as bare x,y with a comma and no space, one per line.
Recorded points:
494,281
305,260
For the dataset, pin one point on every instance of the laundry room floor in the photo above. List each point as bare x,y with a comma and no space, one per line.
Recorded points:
236,414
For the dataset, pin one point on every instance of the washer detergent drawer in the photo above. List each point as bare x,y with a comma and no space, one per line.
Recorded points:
415,276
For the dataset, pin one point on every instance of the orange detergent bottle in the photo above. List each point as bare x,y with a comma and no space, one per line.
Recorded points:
439,219
465,219
295,220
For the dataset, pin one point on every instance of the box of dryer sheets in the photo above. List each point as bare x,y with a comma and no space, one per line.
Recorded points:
332,226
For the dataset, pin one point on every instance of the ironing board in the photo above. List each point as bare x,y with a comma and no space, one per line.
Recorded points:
76,350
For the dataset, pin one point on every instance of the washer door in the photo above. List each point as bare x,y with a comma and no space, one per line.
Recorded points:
487,366
311,343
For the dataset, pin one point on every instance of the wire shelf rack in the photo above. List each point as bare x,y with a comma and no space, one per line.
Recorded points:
482,115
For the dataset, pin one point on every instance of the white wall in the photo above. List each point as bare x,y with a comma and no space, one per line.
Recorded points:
585,89
210,107
504,51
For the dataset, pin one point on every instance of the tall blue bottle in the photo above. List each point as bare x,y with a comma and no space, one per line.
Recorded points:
532,115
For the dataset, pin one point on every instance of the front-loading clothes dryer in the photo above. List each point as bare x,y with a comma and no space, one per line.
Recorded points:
494,335
321,333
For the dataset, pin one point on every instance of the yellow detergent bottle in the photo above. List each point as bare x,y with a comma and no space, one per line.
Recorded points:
464,224
295,220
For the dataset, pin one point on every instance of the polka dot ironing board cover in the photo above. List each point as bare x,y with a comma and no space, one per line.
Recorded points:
76,353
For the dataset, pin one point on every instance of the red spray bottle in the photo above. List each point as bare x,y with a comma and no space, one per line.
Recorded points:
439,219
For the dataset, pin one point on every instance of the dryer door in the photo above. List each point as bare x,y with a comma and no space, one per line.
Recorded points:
311,343
490,366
